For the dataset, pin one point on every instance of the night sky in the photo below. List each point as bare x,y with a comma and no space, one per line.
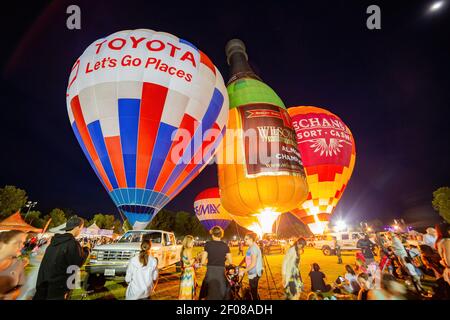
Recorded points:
390,86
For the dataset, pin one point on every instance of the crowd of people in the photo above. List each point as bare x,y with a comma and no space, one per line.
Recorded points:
389,268
386,267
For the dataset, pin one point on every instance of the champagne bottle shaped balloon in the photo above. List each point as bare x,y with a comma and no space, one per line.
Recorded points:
260,169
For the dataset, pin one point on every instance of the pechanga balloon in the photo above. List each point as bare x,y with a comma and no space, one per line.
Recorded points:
148,110
328,153
210,211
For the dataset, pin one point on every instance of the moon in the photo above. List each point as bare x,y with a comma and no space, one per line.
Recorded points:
436,6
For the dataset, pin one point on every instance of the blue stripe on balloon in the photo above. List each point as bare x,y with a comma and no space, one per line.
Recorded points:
160,153
96,133
215,105
139,195
141,217
213,111
188,43
142,198
198,166
208,224
86,153
128,122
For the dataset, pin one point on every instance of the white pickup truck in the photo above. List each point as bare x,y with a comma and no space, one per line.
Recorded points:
347,241
111,260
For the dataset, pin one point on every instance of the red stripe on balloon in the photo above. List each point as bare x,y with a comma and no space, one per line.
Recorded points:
207,144
188,126
210,193
207,62
325,172
152,105
114,148
84,133
310,219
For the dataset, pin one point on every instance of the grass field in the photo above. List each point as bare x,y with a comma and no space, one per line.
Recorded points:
168,284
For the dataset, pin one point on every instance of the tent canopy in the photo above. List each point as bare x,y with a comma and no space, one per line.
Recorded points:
92,230
15,222
93,226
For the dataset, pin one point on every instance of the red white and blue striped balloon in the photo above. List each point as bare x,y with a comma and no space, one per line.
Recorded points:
128,96
209,210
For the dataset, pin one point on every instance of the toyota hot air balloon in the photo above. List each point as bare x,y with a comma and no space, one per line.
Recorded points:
328,153
148,110
259,166
210,211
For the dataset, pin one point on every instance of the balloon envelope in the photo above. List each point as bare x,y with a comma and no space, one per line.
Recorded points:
328,153
148,109
210,211
251,185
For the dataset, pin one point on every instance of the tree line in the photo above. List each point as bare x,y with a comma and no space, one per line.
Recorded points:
13,199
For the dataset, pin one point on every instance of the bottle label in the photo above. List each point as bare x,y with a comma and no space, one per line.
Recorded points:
270,146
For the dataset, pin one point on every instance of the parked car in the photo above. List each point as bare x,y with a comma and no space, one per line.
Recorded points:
270,244
111,260
347,241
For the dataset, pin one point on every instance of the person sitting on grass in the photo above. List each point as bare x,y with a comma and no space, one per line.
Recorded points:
411,269
351,284
390,289
365,284
318,279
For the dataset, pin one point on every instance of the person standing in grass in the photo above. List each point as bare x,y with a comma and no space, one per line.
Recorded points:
241,248
337,248
12,269
215,256
366,246
63,253
253,264
292,280
188,281
142,272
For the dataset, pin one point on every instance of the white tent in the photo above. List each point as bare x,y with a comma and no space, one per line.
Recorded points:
92,230
93,227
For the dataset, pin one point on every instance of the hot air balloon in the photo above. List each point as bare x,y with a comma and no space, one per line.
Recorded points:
210,211
328,153
259,166
149,110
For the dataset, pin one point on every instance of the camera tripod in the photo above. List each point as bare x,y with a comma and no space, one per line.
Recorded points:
269,273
